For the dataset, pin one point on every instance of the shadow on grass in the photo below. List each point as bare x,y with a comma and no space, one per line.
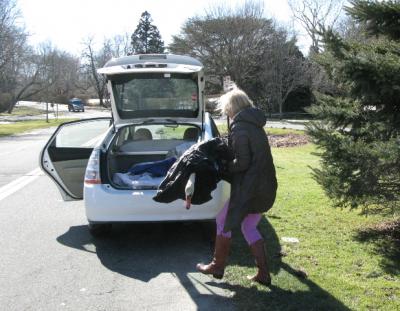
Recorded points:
386,240
276,298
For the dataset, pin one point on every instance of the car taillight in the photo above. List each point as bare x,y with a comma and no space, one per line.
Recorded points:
92,175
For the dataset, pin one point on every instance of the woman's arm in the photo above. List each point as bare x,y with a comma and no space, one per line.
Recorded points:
242,152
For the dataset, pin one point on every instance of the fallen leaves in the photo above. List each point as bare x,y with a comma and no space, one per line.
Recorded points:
288,140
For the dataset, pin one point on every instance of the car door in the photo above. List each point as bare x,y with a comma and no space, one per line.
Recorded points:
64,158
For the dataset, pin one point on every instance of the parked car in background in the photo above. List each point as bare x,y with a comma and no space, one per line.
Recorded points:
158,111
75,104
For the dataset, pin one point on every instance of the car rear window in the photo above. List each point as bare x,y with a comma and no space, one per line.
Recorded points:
184,132
156,95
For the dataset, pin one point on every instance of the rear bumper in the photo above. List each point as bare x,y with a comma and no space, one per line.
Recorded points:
104,203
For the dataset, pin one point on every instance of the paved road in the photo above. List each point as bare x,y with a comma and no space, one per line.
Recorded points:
19,155
50,262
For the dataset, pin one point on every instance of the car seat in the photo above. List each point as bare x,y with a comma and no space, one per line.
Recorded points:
142,134
191,133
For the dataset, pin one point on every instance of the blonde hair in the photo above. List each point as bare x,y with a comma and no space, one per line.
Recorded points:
233,102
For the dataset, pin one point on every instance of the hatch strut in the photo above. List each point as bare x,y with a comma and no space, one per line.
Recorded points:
202,115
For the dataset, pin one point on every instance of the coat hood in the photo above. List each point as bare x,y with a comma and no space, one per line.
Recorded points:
251,115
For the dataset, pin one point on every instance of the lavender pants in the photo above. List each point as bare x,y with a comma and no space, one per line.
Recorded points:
249,225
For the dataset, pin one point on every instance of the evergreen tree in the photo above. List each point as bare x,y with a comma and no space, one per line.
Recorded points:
359,131
146,39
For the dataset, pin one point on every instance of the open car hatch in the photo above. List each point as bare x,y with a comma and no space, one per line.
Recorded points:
155,86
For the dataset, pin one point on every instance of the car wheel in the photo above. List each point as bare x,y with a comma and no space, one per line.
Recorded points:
69,109
83,110
99,230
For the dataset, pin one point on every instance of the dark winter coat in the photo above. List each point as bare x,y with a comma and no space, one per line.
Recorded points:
204,159
254,185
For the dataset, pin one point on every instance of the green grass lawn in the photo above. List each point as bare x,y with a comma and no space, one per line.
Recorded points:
24,126
345,271
24,111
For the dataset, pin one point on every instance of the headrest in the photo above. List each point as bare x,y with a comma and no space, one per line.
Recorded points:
191,133
142,134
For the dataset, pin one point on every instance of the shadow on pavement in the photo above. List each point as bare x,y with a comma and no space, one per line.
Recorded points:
143,251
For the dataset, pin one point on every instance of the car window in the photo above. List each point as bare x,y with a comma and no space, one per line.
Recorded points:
160,132
156,95
124,134
84,134
214,128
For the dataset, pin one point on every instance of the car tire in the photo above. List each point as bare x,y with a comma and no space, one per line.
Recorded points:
83,110
99,230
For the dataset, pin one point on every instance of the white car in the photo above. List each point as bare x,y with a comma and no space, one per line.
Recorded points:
158,111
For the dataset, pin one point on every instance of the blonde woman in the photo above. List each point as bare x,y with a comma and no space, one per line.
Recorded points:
253,186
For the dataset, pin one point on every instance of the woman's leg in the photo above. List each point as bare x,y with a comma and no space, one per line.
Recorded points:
220,220
222,245
249,228
256,242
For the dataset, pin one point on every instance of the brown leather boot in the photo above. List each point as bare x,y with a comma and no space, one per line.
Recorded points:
217,266
262,276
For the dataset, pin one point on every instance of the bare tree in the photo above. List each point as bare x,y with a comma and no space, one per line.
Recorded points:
121,45
41,75
316,15
11,37
33,73
68,78
229,42
243,44
284,71
94,60
59,77
350,29
13,49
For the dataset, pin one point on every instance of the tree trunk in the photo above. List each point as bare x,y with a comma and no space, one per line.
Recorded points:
102,102
13,102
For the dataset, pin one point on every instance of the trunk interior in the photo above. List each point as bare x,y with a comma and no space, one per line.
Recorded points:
141,143
121,159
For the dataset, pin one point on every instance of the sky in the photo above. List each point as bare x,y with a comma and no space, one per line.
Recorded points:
66,23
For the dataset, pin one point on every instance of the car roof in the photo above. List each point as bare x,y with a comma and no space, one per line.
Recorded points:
158,58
